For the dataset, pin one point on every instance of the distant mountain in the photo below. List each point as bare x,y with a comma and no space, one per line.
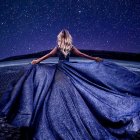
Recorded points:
103,54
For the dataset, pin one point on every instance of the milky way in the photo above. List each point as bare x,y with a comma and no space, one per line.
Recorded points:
28,26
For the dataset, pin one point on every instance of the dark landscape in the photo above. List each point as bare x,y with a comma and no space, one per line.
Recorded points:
103,54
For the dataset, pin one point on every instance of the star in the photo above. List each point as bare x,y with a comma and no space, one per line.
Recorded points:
79,11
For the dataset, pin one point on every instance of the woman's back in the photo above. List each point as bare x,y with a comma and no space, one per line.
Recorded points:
62,56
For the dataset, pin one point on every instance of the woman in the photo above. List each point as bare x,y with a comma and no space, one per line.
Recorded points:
74,100
64,42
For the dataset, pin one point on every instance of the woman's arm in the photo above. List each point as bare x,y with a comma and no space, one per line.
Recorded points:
51,53
79,53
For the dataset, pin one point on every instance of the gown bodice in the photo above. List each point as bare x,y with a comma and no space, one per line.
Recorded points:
62,56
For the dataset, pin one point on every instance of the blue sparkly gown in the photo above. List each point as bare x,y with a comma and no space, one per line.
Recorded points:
75,101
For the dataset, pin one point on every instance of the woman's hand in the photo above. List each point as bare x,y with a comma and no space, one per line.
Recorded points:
35,61
98,59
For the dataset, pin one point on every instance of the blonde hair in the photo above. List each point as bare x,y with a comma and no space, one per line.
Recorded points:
64,41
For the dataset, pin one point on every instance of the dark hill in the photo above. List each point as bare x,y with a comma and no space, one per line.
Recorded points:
103,54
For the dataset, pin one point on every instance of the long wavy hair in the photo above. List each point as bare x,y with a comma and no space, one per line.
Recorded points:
64,41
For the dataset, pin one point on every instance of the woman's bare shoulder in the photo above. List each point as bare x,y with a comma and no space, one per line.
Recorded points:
73,47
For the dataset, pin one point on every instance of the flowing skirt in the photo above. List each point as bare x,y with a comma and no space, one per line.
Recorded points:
75,101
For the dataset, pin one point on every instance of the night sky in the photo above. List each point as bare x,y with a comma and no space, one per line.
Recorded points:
29,26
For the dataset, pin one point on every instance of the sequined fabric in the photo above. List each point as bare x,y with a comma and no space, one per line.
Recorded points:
75,101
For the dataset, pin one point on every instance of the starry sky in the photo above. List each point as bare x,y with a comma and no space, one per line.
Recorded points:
30,26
